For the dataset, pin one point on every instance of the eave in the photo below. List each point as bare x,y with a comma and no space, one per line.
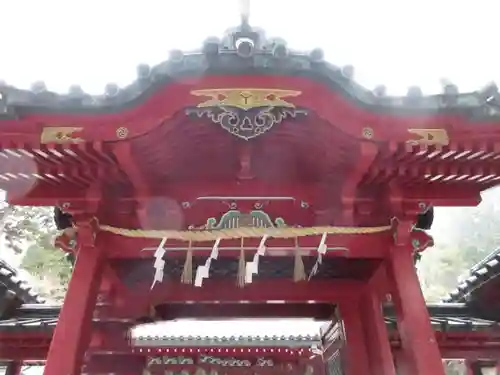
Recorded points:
477,277
445,317
458,334
481,104
13,290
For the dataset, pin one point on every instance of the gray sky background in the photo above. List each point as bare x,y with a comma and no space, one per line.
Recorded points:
393,42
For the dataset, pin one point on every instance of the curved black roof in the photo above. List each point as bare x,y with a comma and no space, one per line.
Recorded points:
269,57
14,291
480,274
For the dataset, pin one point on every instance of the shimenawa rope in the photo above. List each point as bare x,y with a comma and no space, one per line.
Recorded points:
245,232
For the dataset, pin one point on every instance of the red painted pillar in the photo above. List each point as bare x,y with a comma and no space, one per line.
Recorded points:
417,336
13,368
72,334
355,358
376,336
401,363
469,367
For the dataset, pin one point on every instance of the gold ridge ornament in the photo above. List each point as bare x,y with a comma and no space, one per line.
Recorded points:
246,98
246,112
60,134
428,137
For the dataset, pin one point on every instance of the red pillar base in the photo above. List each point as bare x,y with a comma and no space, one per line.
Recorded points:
376,336
13,368
356,357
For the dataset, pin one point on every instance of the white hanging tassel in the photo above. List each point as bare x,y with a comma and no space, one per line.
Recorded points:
187,272
299,272
240,278
203,272
159,264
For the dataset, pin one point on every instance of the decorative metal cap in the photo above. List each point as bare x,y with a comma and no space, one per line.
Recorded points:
38,87
317,55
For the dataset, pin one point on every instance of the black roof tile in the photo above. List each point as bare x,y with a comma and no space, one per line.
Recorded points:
477,276
10,282
222,57
446,317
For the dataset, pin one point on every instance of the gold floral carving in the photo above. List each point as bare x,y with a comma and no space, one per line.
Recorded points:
122,132
60,134
246,98
368,133
429,137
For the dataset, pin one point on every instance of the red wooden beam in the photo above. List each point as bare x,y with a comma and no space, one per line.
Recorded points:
467,349
372,246
327,291
439,195
120,363
466,345
13,353
319,311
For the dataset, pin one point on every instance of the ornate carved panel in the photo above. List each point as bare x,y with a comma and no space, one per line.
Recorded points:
246,113
237,219
61,134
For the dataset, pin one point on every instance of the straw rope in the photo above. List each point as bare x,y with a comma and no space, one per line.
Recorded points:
245,232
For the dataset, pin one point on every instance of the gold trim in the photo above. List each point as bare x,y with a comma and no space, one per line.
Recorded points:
122,132
246,98
60,134
368,133
429,137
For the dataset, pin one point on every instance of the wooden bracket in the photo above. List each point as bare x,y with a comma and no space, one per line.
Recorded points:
406,235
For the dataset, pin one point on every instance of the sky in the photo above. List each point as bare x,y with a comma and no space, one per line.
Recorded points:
397,43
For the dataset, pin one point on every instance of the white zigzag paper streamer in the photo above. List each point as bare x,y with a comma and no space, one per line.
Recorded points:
203,272
252,268
159,264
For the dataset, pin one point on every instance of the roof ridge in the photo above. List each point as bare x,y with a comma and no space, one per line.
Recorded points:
272,55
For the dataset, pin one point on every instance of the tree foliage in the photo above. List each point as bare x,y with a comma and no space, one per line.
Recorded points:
24,224
464,236
31,230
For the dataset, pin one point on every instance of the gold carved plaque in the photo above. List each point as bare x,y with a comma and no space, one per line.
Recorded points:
246,113
246,98
60,134
429,137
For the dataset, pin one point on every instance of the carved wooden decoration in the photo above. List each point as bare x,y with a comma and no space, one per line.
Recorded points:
61,134
237,219
429,137
246,113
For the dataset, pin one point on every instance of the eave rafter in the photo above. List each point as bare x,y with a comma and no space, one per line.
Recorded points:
473,163
59,165
124,154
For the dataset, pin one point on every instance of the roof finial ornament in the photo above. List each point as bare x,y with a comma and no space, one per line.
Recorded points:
245,15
